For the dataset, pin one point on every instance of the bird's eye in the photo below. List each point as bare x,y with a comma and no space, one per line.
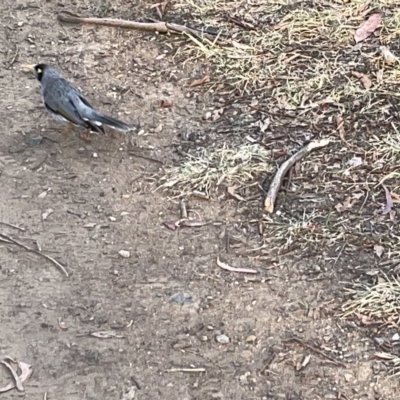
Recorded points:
39,71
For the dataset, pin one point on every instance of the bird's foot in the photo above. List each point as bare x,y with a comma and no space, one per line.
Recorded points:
67,130
86,136
116,135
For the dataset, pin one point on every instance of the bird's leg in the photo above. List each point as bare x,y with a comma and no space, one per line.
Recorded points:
86,135
115,135
67,130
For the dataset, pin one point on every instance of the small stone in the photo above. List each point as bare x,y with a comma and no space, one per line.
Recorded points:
348,377
95,155
223,339
34,141
47,213
181,298
112,219
251,339
159,128
124,253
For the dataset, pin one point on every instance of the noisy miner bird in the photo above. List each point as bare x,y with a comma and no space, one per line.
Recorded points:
66,104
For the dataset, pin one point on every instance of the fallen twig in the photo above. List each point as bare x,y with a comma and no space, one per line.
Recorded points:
132,153
186,370
12,226
321,353
232,269
158,26
55,262
284,168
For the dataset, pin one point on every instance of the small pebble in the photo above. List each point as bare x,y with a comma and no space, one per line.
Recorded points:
251,339
112,219
181,298
124,253
223,339
34,141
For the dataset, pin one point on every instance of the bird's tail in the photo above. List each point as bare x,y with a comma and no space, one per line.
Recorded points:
113,123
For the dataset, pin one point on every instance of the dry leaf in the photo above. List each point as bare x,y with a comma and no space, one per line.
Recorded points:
231,269
385,356
201,81
355,162
170,225
364,319
240,45
47,213
346,205
191,223
367,27
217,114
306,360
387,55
12,365
378,250
106,335
264,124
365,80
389,201
165,104
231,191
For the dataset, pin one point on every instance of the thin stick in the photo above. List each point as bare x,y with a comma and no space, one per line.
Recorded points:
321,353
232,269
159,26
56,263
186,370
276,184
12,226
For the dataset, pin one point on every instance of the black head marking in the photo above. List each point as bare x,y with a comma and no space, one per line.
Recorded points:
39,69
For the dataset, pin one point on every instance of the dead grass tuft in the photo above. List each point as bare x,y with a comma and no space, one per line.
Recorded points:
209,168
380,302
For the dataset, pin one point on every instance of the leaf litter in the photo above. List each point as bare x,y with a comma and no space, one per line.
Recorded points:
368,27
20,372
296,67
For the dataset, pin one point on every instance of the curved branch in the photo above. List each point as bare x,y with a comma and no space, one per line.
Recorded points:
276,183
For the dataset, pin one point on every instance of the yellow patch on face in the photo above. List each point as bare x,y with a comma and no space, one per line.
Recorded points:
39,71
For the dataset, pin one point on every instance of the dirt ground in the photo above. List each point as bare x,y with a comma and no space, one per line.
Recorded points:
83,203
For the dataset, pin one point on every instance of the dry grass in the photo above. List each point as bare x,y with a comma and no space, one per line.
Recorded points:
376,304
209,168
380,302
296,61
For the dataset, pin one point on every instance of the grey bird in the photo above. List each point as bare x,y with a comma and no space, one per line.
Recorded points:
65,103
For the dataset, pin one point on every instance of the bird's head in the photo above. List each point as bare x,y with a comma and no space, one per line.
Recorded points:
36,69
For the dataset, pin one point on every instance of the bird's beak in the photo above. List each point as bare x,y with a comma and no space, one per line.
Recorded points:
28,68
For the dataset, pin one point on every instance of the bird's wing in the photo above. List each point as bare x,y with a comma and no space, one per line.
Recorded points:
58,100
